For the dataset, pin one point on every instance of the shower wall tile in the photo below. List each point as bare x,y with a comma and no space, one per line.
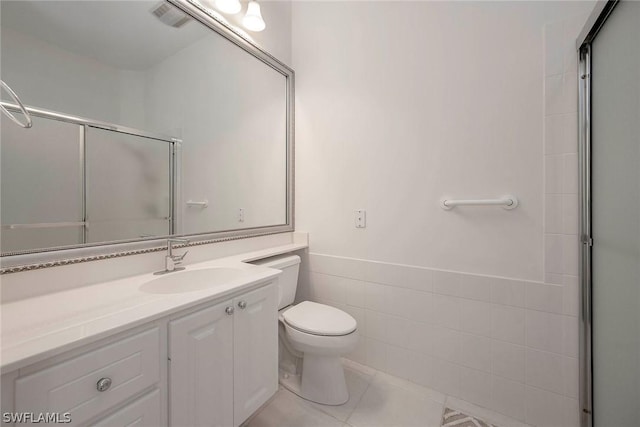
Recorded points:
475,316
570,337
553,170
554,94
376,354
508,324
508,360
446,377
545,370
508,397
446,283
552,325
570,248
476,352
570,295
553,278
508,292
569,98
553,252
446,311
561,133
569,141
544,331
553,215
570,214
570,372
545,297
554,134
548,409
473,387
570,173
475,287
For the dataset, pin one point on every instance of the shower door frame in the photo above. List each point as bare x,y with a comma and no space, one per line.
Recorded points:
84,124
596,20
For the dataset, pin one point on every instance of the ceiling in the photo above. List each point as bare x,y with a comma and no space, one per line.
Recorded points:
122,34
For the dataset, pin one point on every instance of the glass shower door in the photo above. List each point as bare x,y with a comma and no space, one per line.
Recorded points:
615,218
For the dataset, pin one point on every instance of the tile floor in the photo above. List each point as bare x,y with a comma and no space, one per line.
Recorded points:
376,400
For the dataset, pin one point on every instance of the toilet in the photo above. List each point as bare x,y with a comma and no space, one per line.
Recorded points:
312,338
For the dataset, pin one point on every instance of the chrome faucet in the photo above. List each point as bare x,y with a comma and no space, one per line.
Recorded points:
171,260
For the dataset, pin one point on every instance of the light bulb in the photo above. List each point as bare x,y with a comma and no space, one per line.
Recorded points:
253,19
228,6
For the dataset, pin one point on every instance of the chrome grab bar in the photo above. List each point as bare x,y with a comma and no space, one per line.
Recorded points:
507,202
202,204
24,111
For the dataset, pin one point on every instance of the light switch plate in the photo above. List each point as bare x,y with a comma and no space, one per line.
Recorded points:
361,218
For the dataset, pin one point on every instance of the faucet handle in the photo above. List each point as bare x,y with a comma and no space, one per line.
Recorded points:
178,258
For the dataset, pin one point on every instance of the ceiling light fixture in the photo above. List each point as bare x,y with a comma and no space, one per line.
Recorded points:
253,19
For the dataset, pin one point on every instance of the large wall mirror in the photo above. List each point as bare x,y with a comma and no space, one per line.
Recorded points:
149,119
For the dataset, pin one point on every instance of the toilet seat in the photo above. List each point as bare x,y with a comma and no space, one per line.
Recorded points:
319,319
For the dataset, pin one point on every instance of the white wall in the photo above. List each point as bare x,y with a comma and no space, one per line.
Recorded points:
46,76
399,104
229,109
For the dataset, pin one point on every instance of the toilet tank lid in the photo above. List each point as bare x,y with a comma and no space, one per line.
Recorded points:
319,319
279,262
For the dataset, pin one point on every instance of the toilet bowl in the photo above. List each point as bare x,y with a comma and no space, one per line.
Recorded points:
322,334
313,337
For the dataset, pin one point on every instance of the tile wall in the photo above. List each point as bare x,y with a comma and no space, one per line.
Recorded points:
501,343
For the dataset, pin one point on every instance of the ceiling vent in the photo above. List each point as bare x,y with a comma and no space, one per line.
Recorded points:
170,15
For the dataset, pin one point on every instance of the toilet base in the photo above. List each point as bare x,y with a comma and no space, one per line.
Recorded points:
322,380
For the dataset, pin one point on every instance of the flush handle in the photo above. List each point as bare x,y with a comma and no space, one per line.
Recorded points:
242,305
103,384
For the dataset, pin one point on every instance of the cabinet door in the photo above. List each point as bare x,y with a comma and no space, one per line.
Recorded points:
201,368
255,350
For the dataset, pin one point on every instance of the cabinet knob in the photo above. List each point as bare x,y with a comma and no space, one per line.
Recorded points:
242,305
229,310
103,384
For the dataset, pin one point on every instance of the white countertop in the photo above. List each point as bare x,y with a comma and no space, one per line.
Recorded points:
37,328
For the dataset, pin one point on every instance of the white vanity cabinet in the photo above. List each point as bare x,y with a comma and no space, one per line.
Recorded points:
224,360
211,365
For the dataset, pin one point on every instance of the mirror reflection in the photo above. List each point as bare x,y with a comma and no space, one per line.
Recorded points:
145,123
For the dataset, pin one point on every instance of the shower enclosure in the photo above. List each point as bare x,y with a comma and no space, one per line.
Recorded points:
610,215
68,181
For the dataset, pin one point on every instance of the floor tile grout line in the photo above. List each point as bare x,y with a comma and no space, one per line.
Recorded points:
318,407
372,377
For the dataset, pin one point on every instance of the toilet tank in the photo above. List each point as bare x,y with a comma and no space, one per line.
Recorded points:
288,280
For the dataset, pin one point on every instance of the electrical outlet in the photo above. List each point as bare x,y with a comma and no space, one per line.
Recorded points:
241,215
361,218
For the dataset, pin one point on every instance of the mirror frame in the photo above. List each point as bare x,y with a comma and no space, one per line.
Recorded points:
56,256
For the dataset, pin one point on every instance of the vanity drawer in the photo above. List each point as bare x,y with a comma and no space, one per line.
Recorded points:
143,412
131,364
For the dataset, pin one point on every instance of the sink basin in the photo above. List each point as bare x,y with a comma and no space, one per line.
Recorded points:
192,280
